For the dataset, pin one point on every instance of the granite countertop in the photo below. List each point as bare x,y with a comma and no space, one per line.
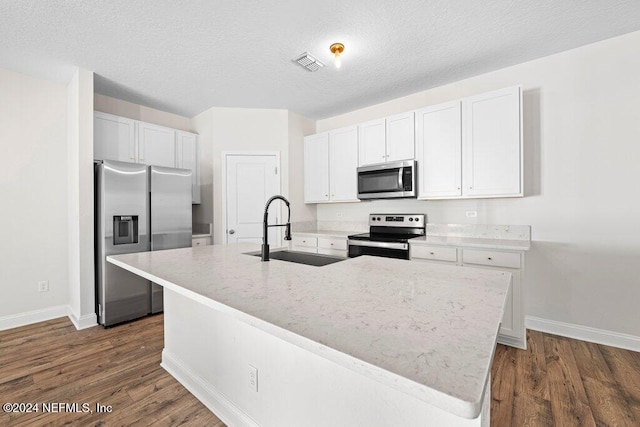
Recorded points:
428,330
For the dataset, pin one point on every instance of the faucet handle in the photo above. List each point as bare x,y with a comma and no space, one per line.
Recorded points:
287,232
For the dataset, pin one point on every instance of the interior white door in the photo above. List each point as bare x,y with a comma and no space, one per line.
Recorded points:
250,181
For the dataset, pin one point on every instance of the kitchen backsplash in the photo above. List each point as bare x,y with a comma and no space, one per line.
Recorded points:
479,231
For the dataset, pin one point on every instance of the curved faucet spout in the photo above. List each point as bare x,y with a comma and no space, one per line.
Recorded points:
265,226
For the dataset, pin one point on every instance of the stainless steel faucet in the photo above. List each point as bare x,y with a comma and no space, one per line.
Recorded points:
265,226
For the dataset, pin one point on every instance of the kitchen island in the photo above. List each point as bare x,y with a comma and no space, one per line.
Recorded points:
366,341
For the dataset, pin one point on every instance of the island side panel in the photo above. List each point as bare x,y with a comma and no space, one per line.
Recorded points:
210,353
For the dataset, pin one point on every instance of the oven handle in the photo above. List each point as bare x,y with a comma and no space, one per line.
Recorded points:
371,244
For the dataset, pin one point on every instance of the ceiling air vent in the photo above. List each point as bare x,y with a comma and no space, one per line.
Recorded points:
308,62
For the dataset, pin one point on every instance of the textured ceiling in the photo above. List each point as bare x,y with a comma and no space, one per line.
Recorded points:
187,56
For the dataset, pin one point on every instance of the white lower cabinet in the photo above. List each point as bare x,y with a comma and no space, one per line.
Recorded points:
512,330
332,246
304,244
336,246
201,241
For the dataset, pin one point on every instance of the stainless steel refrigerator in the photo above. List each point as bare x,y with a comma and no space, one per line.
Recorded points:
138,208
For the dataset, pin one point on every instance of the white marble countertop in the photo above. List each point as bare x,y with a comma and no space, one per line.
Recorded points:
473,242
428,330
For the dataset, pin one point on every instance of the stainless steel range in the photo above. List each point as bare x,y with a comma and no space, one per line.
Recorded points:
388,235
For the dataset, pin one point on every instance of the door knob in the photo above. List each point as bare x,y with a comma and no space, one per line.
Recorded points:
232,231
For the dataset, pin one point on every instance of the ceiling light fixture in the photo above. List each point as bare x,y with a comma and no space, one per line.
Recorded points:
337,49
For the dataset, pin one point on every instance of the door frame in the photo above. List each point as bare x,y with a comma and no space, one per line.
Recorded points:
226,154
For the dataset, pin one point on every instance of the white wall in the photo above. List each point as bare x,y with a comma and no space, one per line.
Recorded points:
202,124
299,126
110,105
33,190
80,199
582,145
237,129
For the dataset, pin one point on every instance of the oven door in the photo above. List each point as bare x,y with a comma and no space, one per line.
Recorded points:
383,249
388,180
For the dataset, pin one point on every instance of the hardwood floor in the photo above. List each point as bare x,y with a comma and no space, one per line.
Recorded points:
120,366
556,382
564,382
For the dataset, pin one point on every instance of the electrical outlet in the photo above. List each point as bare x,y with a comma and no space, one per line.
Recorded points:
43,286
472,214
253,378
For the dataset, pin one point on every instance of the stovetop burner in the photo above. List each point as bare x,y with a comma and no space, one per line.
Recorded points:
393,228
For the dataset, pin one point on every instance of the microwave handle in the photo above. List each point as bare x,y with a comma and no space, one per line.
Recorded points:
400,186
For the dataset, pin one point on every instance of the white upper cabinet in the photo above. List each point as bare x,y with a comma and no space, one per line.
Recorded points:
492,144
386,140
400,137
114,138
472,147
316,168
439,150
343,162
372,146
187,158
330,162
126,140
156,145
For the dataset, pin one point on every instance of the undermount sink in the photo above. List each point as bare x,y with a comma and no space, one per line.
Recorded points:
315,260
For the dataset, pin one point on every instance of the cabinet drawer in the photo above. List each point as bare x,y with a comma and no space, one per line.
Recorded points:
200,241
332,243
491,258
434,252
311,242
333,252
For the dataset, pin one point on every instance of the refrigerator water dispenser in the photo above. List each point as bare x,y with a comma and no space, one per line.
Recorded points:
125,229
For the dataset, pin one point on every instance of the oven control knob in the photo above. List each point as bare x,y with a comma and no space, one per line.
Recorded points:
373,218
379,219
410,219
417,219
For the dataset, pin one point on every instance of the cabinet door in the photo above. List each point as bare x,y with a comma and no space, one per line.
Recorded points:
114,138
372,143
187,158
316,168
492,145
400,134
343,161
439,150
156,145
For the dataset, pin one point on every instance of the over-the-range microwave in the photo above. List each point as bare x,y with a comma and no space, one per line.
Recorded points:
387,180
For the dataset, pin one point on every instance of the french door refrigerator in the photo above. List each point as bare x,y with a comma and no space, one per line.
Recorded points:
138,208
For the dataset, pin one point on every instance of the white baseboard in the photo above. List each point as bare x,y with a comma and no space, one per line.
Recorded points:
217,403
35,316
83,322
584,333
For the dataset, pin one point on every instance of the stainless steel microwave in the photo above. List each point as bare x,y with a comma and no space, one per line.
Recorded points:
387,180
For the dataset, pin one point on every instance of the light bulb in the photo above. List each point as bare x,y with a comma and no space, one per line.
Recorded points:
337,49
